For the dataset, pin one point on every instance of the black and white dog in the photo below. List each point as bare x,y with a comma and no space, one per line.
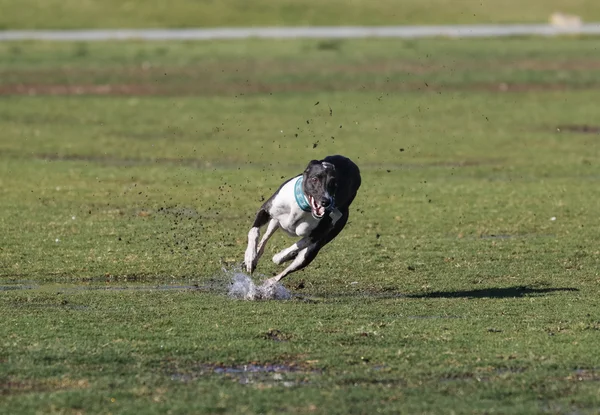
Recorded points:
314,205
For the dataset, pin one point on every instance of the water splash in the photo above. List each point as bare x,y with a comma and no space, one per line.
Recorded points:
243,288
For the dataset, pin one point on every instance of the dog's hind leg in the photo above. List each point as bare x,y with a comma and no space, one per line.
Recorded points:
308,253
291,252
250,257
287,254
303,258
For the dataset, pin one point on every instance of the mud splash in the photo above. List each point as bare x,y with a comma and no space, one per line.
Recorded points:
243,288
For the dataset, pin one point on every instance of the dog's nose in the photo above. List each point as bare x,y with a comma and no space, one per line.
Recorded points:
325,202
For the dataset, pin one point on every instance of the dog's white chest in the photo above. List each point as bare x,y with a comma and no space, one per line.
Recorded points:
292,219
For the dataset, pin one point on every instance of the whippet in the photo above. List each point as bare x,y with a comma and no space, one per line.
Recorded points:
314,205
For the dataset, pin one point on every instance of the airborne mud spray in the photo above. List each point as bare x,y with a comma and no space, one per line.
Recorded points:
242,287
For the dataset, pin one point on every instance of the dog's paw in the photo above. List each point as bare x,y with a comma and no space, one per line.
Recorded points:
269,284
250,261
278,258
250,266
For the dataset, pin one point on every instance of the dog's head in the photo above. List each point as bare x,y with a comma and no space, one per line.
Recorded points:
319,186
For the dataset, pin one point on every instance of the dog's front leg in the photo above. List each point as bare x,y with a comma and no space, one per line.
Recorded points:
250,257
273,226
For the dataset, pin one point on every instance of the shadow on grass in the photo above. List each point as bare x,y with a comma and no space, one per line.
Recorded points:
507,292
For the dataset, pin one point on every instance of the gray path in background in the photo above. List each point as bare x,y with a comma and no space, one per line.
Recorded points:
344,32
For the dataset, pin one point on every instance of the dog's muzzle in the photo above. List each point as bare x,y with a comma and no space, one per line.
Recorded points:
318,210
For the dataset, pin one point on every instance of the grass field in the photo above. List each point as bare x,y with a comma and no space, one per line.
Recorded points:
76,14
466,281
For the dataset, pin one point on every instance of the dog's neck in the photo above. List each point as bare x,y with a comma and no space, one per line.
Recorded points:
301,198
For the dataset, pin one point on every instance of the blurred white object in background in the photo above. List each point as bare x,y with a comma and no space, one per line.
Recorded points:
565,20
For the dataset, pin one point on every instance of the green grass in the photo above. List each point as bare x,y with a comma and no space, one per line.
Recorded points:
75,14
234,68
451,289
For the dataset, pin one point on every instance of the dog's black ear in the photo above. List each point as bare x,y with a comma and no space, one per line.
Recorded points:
310,164
328,165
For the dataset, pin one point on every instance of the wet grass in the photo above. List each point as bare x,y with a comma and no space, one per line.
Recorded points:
466,280
73,14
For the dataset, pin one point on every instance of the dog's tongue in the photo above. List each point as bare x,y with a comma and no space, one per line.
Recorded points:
318,210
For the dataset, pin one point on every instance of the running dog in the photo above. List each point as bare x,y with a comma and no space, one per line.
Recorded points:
314,205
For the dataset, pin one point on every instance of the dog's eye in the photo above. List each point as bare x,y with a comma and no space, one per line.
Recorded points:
314,180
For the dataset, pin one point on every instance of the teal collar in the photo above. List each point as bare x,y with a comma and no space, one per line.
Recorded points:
300,196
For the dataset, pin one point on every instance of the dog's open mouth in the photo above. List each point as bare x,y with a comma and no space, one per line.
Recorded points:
317,210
